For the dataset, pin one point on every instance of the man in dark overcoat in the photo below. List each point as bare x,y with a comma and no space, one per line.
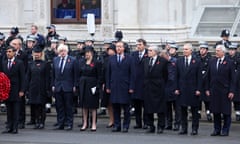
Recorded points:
14,69
155,76
221,88
120,80
137,98
188,88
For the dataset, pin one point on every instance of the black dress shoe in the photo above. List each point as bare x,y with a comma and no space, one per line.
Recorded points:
15,131
68,128
83,129
151,130
125,130
21,126
116,129
182,132
59,128
145,127
168,127
194,132
56,124
36,126
109,126
137,127
41,126
160,130
7,131
224,134
176,128
215,133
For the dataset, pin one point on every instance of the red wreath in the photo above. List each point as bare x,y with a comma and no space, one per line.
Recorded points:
4,87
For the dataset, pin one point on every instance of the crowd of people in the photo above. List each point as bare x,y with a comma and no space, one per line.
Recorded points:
149,79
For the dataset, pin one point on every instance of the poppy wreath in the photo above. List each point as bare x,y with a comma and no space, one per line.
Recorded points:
4,87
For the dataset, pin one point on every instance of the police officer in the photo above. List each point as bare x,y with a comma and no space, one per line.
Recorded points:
168,43
235,57
204,56
52,34
225,39
173,50
39,37
14,33
79,52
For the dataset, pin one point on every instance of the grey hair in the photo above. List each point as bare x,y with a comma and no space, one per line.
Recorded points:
222,47
189,45
155,48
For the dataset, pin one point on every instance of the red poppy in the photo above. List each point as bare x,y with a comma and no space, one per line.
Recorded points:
193,61
4,87
224,62
13,62
38,65
92,65
69,61
145,55
158,62
173,64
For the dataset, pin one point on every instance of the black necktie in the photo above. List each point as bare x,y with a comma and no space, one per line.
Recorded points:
9,64
219,62
119,58
186,62
61,64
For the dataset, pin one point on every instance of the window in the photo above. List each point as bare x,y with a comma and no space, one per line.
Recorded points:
74,11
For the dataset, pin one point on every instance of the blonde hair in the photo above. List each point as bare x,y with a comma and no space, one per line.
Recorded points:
62,47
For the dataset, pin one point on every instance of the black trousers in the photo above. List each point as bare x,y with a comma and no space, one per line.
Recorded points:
140,114
64,106
218,122
32,113
184,118
161,120
172,105
40,113
22,114
117,115
13,110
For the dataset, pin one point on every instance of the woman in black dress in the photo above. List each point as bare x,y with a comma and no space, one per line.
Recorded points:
89,84
38,75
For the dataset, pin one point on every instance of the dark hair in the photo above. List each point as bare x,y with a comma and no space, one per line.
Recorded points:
11,47
143,41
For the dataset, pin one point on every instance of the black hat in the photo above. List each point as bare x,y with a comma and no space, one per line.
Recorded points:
88,49
37,49
2,36
51,26
118,35
233,46
170,42
225,33
14,30
31,38
62,38
112,47
80,41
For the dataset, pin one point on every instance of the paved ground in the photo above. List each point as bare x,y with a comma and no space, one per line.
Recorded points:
105,136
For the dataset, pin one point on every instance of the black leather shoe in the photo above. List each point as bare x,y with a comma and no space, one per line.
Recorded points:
41,126
160,131
215,133
194,132
145,127
125,130
15,131
137,127
68,128
209,117
21,126
182,132
151,130
168,128
224,134
7,131
116,129
176,128
36,126
109,126
59,128
56,124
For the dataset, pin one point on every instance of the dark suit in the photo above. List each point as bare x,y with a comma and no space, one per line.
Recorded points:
64,83
120,79
16,76
221,82
137,96
189,81
155,78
